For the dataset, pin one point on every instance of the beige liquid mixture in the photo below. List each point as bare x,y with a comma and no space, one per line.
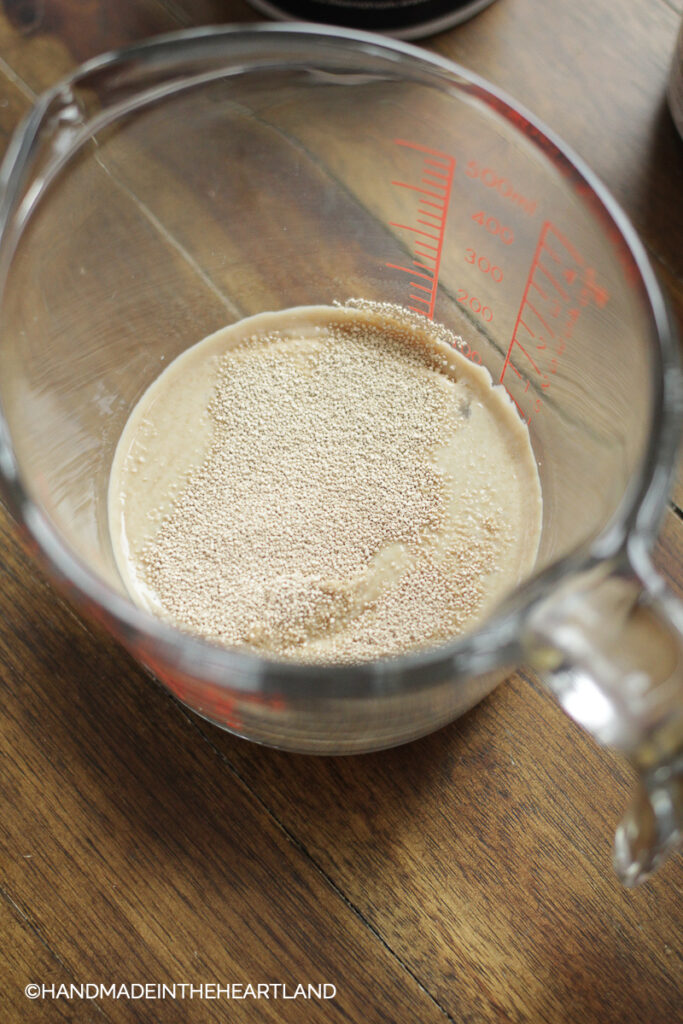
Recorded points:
324,484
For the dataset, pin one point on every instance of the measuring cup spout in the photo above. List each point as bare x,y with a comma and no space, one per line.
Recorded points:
609,645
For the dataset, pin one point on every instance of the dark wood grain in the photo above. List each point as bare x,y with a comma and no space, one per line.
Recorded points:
508,815
510,879
465,877
132,851
26,956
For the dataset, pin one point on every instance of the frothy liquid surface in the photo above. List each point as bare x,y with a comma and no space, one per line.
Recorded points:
324,484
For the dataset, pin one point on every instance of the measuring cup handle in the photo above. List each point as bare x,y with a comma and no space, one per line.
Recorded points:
609,645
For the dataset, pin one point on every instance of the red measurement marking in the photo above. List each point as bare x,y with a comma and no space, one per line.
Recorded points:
542,319
408,227
491,179
553,281
534,265
444,157
416,188
536,352
397,266
519,410
551,252
599,295
528,357
435,179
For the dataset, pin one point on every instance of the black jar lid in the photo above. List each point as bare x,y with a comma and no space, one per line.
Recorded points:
406,19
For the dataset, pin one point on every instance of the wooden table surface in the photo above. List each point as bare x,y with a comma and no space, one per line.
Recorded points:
466,877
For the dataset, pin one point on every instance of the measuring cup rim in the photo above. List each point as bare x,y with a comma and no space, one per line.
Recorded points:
496,641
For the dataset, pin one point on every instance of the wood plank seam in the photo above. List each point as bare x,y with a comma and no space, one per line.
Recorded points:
197,725
656,257
26,920
172,241
178,15
628,947
11,75
40,577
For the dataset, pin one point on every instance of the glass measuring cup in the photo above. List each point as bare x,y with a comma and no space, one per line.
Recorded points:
163,192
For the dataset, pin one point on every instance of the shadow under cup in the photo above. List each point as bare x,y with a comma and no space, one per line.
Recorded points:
168,191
